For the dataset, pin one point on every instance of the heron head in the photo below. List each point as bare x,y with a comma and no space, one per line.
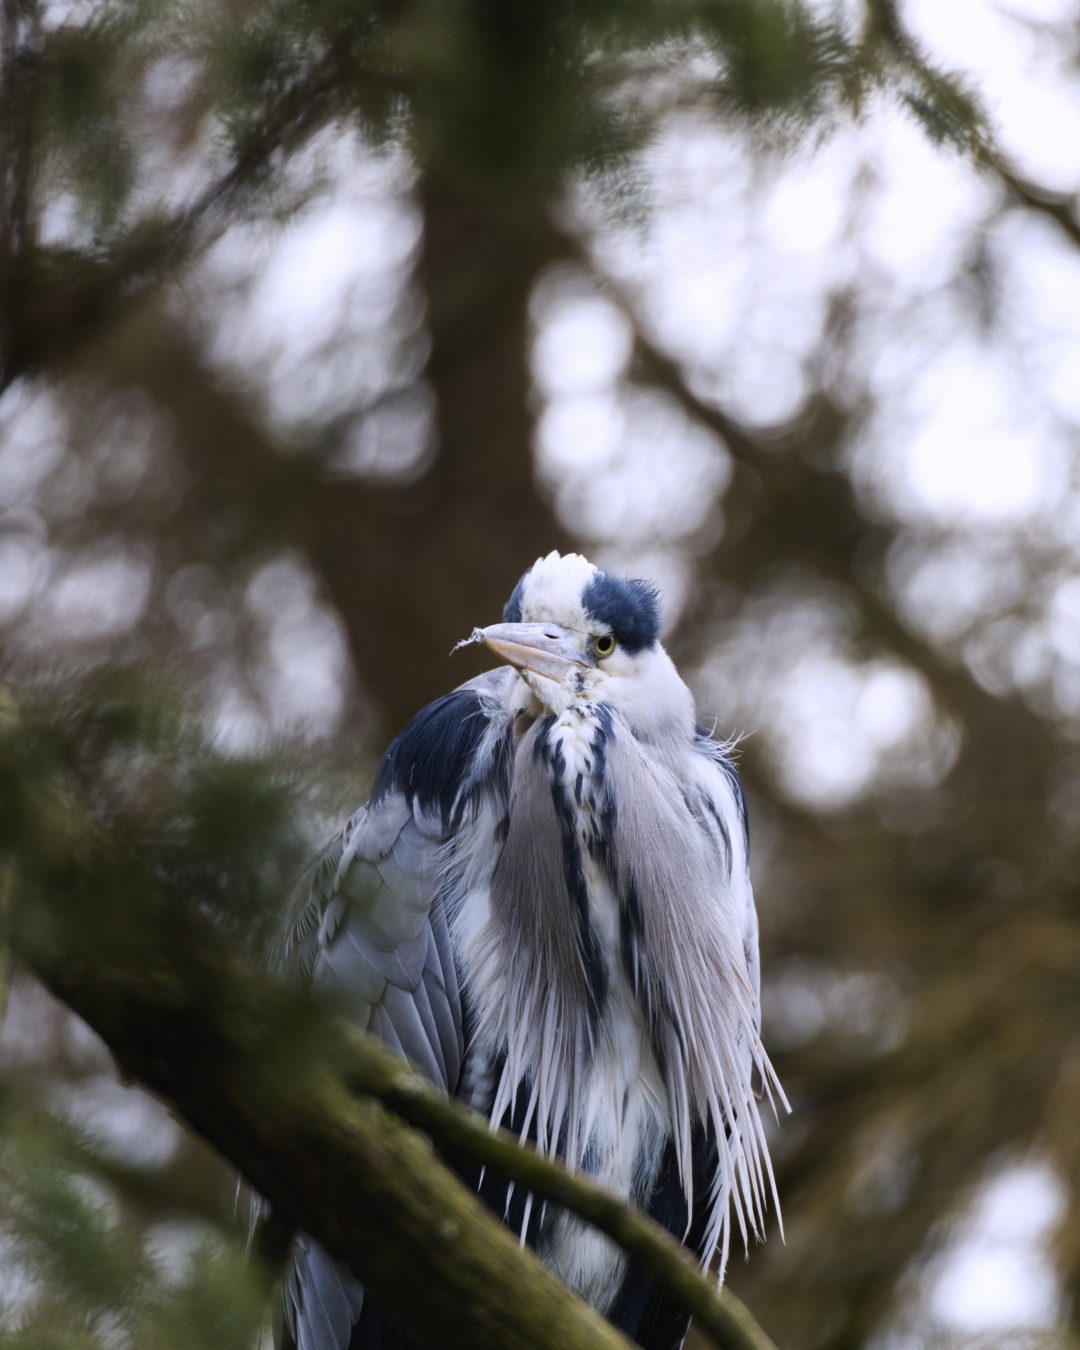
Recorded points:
575,633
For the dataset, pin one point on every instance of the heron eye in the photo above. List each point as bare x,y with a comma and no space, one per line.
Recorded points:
604,646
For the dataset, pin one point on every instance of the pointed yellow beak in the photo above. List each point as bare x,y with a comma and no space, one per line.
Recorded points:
538,648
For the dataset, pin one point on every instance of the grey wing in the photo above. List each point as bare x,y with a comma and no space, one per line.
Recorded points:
322,1303
374,931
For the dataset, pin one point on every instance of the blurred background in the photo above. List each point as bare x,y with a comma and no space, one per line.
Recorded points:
318,323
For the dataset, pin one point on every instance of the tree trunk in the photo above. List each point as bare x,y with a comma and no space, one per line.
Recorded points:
414,570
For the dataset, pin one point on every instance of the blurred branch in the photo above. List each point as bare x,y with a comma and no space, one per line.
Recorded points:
68,298
477,498
148,975
791,503
1058,207
478,501
404,607
653,366
20,42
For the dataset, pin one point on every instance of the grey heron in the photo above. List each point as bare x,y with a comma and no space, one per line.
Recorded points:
546,906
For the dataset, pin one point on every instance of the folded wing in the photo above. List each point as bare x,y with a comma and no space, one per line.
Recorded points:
372,931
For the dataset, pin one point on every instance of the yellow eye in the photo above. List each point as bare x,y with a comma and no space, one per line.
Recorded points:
604,646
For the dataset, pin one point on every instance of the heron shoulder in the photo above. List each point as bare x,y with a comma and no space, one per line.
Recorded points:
433,760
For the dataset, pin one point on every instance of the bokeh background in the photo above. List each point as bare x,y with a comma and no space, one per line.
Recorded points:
318,323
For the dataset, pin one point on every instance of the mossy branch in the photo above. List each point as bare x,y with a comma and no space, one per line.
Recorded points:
457,1129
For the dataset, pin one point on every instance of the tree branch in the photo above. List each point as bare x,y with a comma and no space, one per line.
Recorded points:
459,1130
67,299
1058,207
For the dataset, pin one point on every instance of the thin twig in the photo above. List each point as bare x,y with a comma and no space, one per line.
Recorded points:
1062,208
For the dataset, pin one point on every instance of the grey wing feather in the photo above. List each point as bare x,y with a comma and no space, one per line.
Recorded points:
751,948
373,928
441,974
374,932
321,1305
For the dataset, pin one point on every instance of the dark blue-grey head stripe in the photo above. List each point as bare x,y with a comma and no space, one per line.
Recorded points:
512,608
627,607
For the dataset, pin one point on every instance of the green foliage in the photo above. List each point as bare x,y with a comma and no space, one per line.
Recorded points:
512,98
79,1257
88,78
228,833
948,113
492,97
285,70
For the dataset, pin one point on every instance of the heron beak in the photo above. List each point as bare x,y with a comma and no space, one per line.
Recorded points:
539,648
